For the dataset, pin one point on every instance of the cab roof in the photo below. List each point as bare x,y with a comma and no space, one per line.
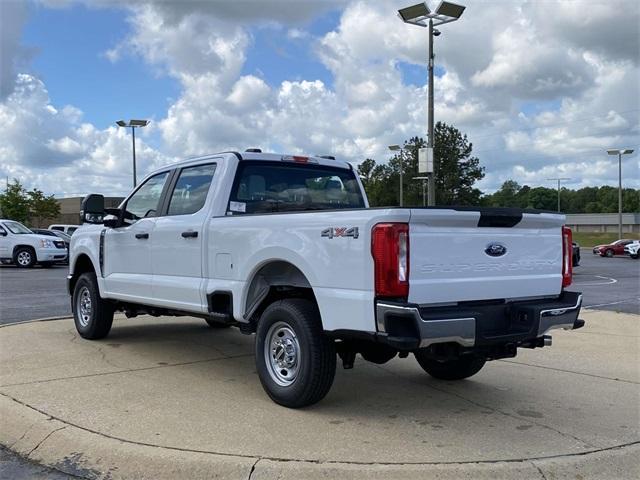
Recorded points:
272,157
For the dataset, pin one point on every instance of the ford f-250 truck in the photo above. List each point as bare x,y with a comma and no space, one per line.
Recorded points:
287,248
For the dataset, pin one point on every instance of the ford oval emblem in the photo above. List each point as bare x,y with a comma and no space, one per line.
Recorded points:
495,250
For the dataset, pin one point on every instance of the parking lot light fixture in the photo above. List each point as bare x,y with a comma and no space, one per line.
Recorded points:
620,152
398,148
133,124
422,16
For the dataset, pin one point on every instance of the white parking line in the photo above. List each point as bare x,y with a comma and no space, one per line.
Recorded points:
629,300
609,281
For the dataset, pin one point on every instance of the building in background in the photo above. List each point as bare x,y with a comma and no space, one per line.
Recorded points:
603,222
70,209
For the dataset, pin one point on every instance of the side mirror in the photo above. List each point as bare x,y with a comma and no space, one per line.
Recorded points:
92,209
113,218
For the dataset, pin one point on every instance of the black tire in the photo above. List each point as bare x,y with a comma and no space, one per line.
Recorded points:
46,264
315,357
97,322
458,369
216,324
608,253
24,257
635,257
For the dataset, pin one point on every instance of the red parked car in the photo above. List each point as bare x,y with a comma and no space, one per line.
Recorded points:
614,248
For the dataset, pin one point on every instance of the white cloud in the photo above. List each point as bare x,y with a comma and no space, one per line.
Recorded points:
538,95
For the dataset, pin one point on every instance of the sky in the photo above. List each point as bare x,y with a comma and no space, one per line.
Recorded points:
542,88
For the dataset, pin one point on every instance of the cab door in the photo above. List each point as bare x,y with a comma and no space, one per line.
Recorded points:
178,239
127,249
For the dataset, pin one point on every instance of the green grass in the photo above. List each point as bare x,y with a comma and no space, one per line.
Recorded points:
591,239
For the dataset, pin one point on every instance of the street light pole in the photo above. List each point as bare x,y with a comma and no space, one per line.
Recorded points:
620,152
558,180
133,139
133,124
431,176
418,14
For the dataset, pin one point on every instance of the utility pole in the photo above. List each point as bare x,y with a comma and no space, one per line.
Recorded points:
398,148
558,180
620,152
432,175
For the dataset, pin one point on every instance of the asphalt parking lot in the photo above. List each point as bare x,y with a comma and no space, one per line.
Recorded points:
607,284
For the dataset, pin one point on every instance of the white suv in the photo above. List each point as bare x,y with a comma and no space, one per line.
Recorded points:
633,249
22,247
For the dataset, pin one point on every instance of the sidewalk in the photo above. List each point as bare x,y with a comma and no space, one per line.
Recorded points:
169,398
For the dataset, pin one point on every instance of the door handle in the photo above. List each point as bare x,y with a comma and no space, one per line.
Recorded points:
189,234
142,236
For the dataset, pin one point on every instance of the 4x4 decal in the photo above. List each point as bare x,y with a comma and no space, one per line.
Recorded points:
332,232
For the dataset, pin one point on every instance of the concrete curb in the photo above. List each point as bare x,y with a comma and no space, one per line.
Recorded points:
86,454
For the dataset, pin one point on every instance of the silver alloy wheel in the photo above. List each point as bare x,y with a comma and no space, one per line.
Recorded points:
282,353
83,307
24,258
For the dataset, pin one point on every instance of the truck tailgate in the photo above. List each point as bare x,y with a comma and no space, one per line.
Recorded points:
483,254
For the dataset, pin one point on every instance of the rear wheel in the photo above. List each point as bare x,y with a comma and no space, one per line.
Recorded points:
609,253
296,361
24,257
92,314
457,369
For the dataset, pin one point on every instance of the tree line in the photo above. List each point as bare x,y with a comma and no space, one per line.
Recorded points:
31,207
457,171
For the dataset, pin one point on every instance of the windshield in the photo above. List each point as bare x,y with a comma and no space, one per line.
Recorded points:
17,228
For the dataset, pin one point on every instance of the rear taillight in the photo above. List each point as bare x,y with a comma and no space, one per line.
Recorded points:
567,256
390,250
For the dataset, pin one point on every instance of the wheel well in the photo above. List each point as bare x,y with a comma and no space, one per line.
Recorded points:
273,281
82,265
15,249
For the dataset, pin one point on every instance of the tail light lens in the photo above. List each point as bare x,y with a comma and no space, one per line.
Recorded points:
567,256
390,250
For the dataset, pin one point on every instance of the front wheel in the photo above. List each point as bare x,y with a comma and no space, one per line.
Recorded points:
92,314
24,257
609,253
457,369
635,257
295,360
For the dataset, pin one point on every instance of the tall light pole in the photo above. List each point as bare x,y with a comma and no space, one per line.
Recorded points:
620,152
133,124
418,14
398,148
424,188
561,179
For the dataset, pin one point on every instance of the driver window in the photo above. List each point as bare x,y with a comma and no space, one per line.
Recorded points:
145,201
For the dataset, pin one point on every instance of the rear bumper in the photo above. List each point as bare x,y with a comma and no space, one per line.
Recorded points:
476,325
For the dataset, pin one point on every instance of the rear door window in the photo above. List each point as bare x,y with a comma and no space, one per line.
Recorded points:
192,187
264,187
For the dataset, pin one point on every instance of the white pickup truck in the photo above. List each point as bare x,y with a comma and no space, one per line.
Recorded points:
286,247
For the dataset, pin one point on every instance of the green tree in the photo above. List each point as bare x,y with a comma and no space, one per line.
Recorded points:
14,203
456,172
41,207
27,207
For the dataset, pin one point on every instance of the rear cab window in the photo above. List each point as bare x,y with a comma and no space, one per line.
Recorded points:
267,187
